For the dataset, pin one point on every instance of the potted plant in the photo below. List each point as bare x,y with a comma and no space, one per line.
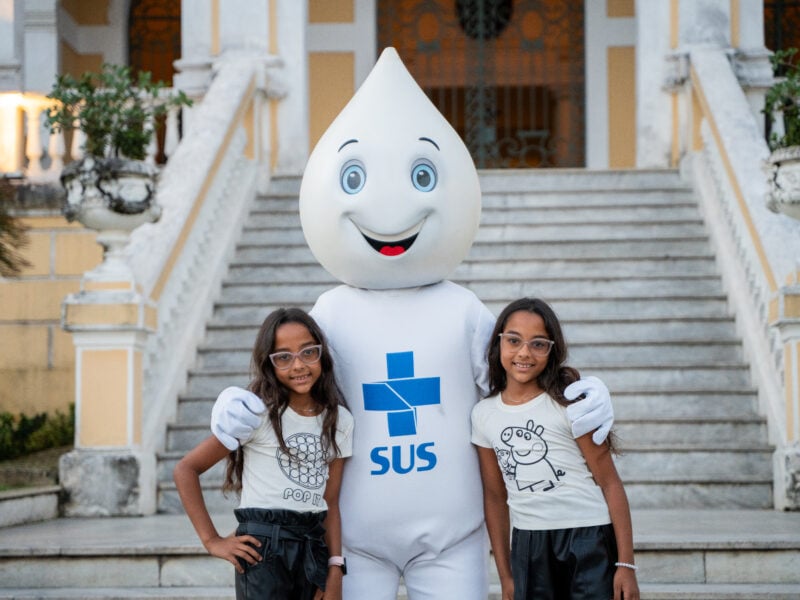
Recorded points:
111,186
782,107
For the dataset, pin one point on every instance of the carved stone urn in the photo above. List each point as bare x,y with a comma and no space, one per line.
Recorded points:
113,196
783,168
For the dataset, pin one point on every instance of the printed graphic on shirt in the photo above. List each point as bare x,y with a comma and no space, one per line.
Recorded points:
525,459
306,463
401,394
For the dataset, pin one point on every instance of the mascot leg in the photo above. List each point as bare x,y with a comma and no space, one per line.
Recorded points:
369,578
460,571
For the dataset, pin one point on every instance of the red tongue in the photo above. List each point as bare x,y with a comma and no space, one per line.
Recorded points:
392,250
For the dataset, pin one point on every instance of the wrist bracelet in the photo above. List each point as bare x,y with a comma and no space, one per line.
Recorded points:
626,565
338,561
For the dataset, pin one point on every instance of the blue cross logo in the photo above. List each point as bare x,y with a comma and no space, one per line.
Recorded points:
401,394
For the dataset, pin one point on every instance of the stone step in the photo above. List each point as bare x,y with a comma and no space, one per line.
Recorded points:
649,591
509,233
619,378
491,270
680,551
670,406
567,199
527,214
683,331
662,289
594,354
637,309
265,251
546,180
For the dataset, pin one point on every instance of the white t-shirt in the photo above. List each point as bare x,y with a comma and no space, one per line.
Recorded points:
548,482
411,363
271,478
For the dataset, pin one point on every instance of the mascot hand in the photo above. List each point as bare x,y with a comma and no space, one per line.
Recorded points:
235,416
593,412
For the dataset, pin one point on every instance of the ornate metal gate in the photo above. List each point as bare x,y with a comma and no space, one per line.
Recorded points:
507,74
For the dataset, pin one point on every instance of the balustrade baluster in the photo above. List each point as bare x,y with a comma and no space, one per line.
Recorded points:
33,144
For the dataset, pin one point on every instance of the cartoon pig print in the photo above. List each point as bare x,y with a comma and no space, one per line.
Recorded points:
529,453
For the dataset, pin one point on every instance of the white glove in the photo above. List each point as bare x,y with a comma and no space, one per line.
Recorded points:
235,416
592,413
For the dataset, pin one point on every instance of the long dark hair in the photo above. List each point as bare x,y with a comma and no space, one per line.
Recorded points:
557,375
325,392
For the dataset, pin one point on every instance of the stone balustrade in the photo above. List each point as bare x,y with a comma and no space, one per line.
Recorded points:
30,150
758,250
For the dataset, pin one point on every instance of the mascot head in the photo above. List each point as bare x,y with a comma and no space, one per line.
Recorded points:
390,196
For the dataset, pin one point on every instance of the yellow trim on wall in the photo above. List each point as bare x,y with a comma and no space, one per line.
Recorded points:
621,107
331,85
620,8
104,396
87,13
674,23
745,211
735,24
215,41
331,11
273,27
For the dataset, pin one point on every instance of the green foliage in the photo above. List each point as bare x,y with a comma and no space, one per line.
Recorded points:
115,112
13,236
23,434
784,98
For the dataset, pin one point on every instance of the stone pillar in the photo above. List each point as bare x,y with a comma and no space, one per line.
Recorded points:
108,473
786,460
40,46
750,57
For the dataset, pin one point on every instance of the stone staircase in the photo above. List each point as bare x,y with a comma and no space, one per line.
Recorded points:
625,260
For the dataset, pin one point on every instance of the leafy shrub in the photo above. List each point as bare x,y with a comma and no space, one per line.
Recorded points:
13,236
22,434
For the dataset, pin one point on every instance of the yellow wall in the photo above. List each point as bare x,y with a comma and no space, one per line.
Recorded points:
331,75
621,107
37,360
331,85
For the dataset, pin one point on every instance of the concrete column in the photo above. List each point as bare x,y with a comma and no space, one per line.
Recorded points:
40,46
108,473
655,85
11,27
751,57
786,460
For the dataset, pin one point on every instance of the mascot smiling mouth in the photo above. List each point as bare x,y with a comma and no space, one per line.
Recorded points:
392,245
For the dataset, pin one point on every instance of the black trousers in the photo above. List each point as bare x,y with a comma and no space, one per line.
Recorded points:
564,564
294,557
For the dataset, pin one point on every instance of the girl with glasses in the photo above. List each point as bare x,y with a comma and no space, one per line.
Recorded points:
556,510
287,473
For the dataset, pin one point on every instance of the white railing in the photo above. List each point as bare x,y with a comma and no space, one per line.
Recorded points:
204,190
39,156
757,249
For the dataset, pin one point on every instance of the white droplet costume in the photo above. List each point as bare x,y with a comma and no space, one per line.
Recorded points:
389,204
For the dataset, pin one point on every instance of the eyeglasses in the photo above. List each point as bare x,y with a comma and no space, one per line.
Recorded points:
308,355
538,346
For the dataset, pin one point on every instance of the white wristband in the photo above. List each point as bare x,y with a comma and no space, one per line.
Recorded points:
336,561
626,565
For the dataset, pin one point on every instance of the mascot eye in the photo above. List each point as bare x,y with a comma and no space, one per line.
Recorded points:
423,176
353,178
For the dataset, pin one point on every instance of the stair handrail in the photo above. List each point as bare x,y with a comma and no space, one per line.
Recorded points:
180,260
757,249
